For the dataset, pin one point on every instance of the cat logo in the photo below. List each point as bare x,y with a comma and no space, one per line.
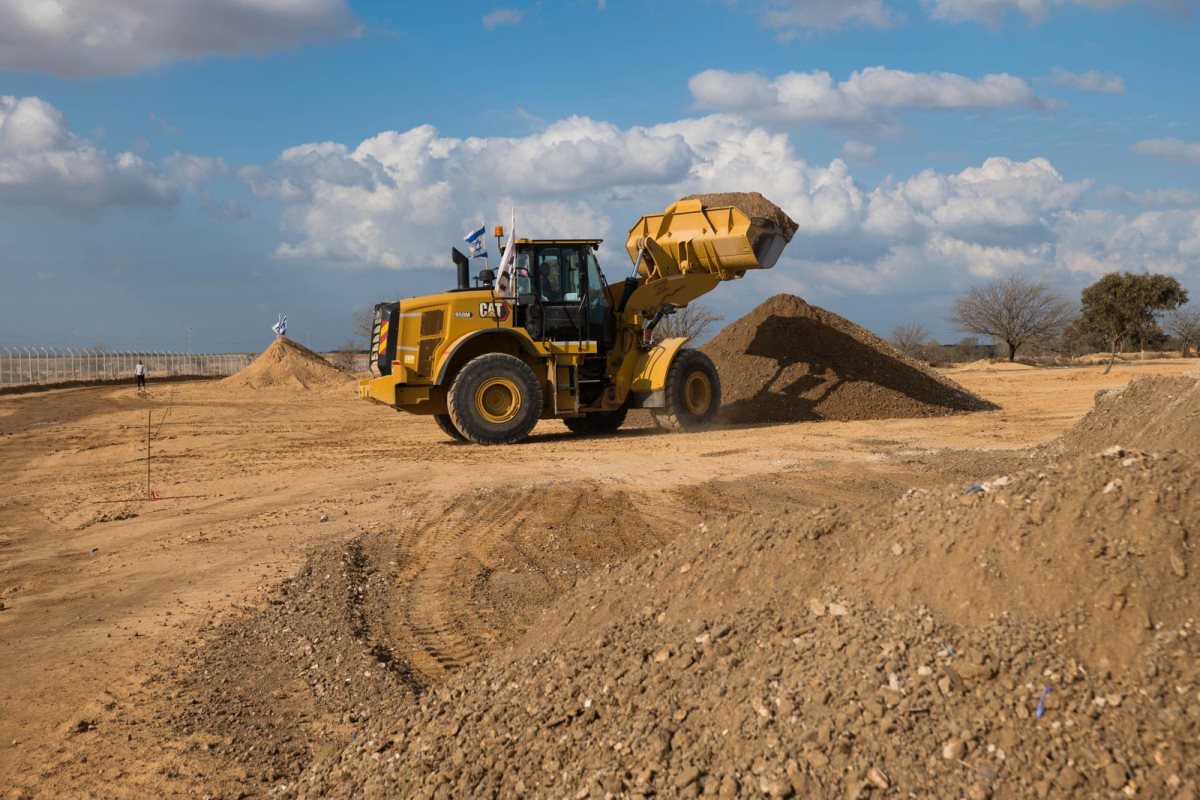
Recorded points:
498,311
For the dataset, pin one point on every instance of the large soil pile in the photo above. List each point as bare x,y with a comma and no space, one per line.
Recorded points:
788,361
1032,639
1149,414
287,364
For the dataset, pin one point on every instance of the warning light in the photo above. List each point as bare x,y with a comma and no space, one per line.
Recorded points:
499,231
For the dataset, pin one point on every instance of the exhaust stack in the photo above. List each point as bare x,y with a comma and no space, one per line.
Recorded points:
464,268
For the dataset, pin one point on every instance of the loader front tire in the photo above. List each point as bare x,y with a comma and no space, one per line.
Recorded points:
495,399
447,425
598,423
693,393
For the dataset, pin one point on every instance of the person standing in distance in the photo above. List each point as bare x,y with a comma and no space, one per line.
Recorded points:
140,373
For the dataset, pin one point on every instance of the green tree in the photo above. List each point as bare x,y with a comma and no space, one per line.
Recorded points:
1125,307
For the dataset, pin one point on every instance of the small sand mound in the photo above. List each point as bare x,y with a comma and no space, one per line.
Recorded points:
986,364
288,364
788,361
1151,413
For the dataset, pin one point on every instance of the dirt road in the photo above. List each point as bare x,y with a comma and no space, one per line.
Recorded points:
98,583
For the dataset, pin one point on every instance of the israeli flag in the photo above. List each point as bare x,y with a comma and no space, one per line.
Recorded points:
280,327
477,242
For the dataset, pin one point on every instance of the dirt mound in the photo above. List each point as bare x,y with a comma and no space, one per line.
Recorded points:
987,364
287,364
950,645
753,205
788,361
1151,413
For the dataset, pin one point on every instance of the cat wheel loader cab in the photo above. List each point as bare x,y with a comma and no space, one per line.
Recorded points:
550,337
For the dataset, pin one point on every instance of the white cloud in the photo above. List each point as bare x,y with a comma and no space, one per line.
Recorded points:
993,12
82,38
43,163
866,97
1090,81
194,171
788,14
1151,198
397,197
1092,242
1175,150
502,16
400,199
859,152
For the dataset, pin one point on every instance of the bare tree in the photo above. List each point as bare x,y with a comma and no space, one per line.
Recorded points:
693,322
346,355
911,338
364,322
1015,310
1184,325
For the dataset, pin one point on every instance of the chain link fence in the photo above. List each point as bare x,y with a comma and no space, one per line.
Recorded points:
30,366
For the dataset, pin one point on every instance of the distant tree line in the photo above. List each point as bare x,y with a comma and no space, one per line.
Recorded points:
1022,314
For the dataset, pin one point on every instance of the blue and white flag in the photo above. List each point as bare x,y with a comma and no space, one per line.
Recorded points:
477,242
280,327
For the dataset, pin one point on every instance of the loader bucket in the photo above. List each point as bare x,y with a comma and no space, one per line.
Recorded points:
724,240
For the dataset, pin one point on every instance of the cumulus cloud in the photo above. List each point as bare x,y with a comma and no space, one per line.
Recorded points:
399,199
1151,198
502,16
1093,242
867,97
1090,81
859,152
1175,150
43,163
81,38
993,12
791,14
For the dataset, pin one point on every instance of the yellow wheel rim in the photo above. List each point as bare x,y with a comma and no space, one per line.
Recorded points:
497,400
697,393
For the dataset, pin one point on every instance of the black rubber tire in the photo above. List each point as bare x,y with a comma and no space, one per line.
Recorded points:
471,420
598,423
677,415
447,425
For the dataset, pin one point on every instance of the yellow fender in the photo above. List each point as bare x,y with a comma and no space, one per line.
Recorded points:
650,373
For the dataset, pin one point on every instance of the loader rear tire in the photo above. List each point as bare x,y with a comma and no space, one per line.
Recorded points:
447,425
495,399
693,393
598,423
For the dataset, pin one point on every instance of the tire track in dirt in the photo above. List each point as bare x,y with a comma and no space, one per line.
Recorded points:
467,578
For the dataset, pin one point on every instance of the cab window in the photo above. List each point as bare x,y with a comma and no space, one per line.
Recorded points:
559,275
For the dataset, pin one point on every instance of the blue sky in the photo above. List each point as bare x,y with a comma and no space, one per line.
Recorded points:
227,160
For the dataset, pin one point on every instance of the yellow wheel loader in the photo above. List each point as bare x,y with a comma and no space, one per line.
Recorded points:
550,338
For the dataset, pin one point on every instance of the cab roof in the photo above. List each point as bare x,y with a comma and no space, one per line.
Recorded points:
592,242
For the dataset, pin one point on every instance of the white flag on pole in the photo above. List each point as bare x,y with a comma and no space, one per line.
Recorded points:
506,281
280,327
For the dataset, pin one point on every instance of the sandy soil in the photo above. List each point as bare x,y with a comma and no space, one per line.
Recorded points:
103,590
